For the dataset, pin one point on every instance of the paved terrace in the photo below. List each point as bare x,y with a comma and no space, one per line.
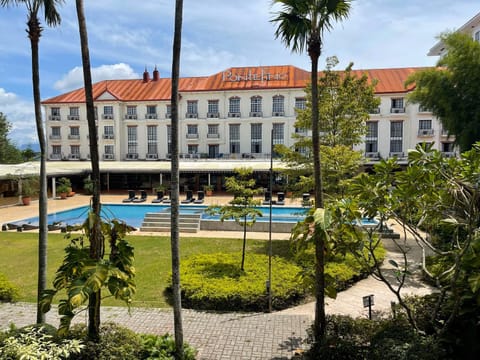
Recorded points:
223,335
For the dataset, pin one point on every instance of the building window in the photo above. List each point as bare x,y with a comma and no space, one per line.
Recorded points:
55,114
74,132
213,131
168,114
192,131
74,113
108,132
151,139
425,124
234,136
300,103
234,107
193,149
56,152
131,112
256,138
109,149
213,111
256,106
107,112
396,136
56,134
151,112
75,151
213,151
192,108
132,140
477,36
371,138
278,134
169,139
397,105
278,105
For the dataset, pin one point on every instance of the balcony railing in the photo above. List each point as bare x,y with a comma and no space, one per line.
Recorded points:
191,115
372,155
278,113
107,116
213,136
397,110
151,116
374,111
256,114
213,115
131,117
234,114
74,156
73,117
73,137
192,136
425,132
54,117
108,136
108,157
55,137
55,156
131,156
151,157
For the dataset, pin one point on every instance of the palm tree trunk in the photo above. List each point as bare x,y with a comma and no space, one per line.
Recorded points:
96,240
320,321
244,242
34,33
174,239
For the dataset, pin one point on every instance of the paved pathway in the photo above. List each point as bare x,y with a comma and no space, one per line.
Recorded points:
231,335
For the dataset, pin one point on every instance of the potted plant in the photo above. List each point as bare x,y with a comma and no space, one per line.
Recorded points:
27,187
88,185
64,187
208,190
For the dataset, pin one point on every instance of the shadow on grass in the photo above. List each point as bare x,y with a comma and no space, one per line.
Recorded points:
280,248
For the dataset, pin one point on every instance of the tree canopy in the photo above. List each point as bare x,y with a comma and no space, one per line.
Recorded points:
9,154
451,91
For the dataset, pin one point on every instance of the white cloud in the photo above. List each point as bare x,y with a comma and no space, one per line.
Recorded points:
74,78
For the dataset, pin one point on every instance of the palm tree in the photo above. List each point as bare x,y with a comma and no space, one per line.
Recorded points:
301,25
34,30
96,238
174,237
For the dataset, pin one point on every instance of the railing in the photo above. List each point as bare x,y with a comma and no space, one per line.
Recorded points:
55,137
55,156
108,157
191,115
213,136
131,117
131,156
151,116
256,114
107,116
397,110
54,117
234,114
425,132
213,115
192,136
73,117
73,137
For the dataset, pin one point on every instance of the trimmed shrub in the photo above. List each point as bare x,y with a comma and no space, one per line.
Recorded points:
216,282
162,347
8,292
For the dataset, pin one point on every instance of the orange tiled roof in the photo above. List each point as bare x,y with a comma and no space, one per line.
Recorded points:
235,78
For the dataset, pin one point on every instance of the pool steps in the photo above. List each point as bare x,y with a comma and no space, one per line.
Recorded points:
161,222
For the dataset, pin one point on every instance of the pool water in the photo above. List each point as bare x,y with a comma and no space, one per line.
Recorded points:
133,214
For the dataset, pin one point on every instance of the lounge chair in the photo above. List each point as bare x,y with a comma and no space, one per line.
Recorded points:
159,198
131,196
200,197
143,197
267,198
306,200
280,198
168,198
189,197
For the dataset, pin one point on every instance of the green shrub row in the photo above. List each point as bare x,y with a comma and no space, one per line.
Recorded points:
116,342
216,282
8,292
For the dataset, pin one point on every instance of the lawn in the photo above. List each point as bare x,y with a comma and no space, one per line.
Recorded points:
152,261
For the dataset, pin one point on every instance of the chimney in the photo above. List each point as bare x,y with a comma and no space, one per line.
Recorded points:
146,76
156,74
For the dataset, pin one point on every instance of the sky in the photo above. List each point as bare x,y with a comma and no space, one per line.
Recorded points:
127,36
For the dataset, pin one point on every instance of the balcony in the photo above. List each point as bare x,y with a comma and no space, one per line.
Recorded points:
151,157
211,115
372,155
423,109
74,156
399,110
108,157
55,137
256,114
131,156
54,118
73,117
107,116
73,137
278,113
425,132
192,136
374,111
131,117
234,114
108,136
55,156
396,154
213,136
191,115
151,116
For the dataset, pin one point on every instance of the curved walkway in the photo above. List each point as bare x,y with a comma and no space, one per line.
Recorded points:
239,336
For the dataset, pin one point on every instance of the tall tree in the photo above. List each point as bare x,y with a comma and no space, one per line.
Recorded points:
452,89
34,31
96,238
301,25
175,175
9,154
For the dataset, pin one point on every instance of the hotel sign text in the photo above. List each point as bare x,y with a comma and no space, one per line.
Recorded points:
262,75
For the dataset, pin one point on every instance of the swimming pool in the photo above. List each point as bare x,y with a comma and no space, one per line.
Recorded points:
133,214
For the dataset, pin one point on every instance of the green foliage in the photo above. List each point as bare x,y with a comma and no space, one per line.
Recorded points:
88,185
216,282
33,343
451,90
8,292
9,154
162,347
30,186
64,185
80,276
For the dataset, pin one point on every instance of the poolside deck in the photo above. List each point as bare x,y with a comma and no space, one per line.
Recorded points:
14,213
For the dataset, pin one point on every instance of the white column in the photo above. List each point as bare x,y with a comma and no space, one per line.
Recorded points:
54,188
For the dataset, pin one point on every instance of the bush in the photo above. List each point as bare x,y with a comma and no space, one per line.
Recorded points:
216,282
36,342
162,347
8,292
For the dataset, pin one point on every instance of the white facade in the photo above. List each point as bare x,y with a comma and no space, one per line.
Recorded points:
223,124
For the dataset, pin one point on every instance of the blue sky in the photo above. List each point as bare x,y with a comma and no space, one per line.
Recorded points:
125,36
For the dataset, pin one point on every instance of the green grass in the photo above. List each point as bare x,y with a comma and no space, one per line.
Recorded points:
152,261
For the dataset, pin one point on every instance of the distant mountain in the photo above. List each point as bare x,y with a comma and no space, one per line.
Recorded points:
35,147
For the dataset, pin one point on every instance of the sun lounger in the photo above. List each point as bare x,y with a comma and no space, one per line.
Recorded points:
143,197
267,198
189,197
306,200
131,196
280,198
200,197
159,198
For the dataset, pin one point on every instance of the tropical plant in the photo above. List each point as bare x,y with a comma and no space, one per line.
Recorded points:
81,276
34,31
301,25
64,185
175,183
243,207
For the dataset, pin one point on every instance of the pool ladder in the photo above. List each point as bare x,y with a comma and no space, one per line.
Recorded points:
161,222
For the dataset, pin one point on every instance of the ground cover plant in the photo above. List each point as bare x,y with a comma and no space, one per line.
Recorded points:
8,292
217,282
